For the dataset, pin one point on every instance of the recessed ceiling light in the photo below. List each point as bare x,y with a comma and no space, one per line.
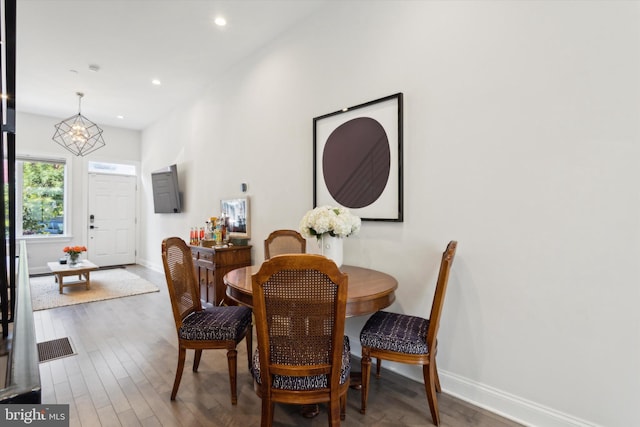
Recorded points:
120,117
220,21
156,82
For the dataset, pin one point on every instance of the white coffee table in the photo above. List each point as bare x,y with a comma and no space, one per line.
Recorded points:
82,269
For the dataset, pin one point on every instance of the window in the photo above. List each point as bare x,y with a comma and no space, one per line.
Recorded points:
112,168
40,197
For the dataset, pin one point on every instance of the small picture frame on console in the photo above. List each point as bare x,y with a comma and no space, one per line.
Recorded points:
237,213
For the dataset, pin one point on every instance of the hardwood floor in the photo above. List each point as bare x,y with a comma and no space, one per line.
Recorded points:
125,364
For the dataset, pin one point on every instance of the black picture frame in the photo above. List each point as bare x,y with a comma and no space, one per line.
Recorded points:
349,161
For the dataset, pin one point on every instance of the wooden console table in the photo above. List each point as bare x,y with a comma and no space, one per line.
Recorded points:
211,264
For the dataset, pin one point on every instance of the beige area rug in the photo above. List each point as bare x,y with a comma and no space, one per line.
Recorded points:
105,284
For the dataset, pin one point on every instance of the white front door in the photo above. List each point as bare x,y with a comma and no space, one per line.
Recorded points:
112,219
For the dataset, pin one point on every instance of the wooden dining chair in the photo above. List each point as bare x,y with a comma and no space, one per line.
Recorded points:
408,339
284,242
199,329
299,303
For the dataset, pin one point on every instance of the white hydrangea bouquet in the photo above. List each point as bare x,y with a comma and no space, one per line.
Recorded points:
336,221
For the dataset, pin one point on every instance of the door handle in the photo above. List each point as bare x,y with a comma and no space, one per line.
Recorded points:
92,227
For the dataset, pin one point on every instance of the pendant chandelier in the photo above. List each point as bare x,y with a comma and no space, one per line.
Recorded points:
78,134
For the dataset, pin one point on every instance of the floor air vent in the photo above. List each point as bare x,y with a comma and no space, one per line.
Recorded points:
55,349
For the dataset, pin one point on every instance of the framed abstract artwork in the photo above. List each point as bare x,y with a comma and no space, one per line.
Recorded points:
357,159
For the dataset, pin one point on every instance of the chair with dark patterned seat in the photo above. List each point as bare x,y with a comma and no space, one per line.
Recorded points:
282,242
299,302
408,339
199,329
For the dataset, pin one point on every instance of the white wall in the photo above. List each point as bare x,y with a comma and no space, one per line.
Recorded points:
521,142
33,137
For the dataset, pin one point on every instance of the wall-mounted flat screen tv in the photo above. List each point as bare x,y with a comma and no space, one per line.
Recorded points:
166,192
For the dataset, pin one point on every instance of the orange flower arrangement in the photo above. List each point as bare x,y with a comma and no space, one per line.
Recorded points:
74,250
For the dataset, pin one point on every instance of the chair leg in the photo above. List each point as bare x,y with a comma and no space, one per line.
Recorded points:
266,419
196,360
334,411
249,339
365,366
182,354
378,366
232,361
429,374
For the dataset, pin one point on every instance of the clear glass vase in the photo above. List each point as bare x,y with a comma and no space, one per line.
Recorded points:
74,259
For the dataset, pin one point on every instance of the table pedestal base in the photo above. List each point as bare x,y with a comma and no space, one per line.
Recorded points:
355,380
310,411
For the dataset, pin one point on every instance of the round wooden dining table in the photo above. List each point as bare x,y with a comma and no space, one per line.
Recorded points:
369,290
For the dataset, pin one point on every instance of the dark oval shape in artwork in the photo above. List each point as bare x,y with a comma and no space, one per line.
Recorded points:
356,162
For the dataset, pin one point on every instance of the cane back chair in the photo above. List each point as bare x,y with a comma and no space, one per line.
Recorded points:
302,356
199,329
408,339
282,242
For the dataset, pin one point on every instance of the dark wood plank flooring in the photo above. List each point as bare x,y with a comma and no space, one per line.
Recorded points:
125,364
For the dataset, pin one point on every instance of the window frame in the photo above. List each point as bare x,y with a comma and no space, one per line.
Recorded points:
66,198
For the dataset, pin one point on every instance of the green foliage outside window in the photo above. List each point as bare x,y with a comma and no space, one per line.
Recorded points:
42,198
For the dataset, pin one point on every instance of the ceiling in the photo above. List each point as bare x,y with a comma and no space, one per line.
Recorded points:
133,42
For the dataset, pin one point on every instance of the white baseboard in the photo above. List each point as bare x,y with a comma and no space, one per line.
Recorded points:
507,405
150,265
39,270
